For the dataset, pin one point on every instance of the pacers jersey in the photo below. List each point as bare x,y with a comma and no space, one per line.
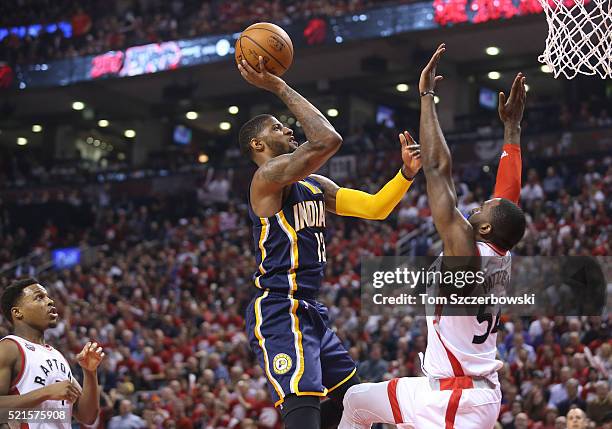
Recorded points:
41,365
467,345
290,246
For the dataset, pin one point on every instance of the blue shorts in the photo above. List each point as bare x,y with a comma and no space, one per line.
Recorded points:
294,345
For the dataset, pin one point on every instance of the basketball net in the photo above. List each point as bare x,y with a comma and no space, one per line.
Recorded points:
579,37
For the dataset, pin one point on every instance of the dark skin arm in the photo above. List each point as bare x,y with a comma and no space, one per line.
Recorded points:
455,231
511,110
10,363
411,156
87,407
276,174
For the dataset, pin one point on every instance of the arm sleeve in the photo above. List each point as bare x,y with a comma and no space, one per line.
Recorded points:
508,182
351,202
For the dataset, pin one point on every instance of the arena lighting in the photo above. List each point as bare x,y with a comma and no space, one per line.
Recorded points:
36,128
546,69
90,140
332,113
78,105
22,141
402,87
103,123
493,75
225,126
436,99
526,88
191,115
233,110
203,158
492,50
130,134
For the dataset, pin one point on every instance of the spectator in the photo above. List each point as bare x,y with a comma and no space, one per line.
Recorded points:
373,369
558,392
573,399
126,419
576,419
602,404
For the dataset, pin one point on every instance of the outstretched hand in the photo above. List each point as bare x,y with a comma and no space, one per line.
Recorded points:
90,357
261,79
511,110
428,79
411,154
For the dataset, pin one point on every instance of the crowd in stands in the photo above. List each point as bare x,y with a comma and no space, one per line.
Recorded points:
115,24
173,278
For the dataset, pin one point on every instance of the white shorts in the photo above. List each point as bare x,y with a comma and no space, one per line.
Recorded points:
411,403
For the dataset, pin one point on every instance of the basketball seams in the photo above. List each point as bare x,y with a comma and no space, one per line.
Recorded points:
289,45
262,48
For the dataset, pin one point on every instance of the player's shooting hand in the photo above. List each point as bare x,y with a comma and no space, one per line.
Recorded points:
63,391
411,154
261,78
90,357
428,79
511,109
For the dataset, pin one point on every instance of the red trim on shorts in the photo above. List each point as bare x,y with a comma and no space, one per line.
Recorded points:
451,410
23,365
457,369
454,383
392,393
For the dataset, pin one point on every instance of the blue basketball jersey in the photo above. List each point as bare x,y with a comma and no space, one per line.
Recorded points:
290,246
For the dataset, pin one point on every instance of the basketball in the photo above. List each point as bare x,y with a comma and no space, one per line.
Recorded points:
269,41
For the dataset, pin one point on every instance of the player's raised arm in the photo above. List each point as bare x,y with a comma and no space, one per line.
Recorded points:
323,140
352,202
508,181
455,231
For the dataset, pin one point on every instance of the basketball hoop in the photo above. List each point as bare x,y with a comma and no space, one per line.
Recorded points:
579,37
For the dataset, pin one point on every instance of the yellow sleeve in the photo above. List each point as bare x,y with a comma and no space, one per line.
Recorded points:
351,202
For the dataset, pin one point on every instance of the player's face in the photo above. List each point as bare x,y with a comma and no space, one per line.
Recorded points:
482,214
279,138
37,308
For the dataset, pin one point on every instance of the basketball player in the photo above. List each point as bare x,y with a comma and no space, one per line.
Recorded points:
288,329
461,387
34,375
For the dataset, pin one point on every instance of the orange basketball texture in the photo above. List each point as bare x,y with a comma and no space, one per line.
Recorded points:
271,42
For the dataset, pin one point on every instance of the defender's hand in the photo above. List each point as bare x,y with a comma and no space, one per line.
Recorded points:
261,79
511,110
90,357
428,79
411,154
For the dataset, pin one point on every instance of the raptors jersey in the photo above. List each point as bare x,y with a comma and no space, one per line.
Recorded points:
290,246
41,366
467,345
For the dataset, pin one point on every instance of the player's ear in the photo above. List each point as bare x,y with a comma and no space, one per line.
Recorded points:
16,313
484,228
257,145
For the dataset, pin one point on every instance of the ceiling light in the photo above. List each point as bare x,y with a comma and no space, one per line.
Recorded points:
225,126
36,128
402,87
22,141
203,158
436,99
191,115
78,105
130,134
103,123
546,69
332,113
492,50
494,75
233,110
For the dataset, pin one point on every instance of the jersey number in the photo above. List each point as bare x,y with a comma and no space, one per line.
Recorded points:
491,327
321,246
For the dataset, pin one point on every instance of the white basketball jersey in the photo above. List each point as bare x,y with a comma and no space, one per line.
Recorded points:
467,345
41,366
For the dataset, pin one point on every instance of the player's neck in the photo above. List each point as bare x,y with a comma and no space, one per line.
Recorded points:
31,334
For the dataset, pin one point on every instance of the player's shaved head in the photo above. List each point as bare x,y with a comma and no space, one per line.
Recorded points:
500,222
251,130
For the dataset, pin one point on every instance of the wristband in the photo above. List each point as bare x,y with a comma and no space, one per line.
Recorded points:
430,92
